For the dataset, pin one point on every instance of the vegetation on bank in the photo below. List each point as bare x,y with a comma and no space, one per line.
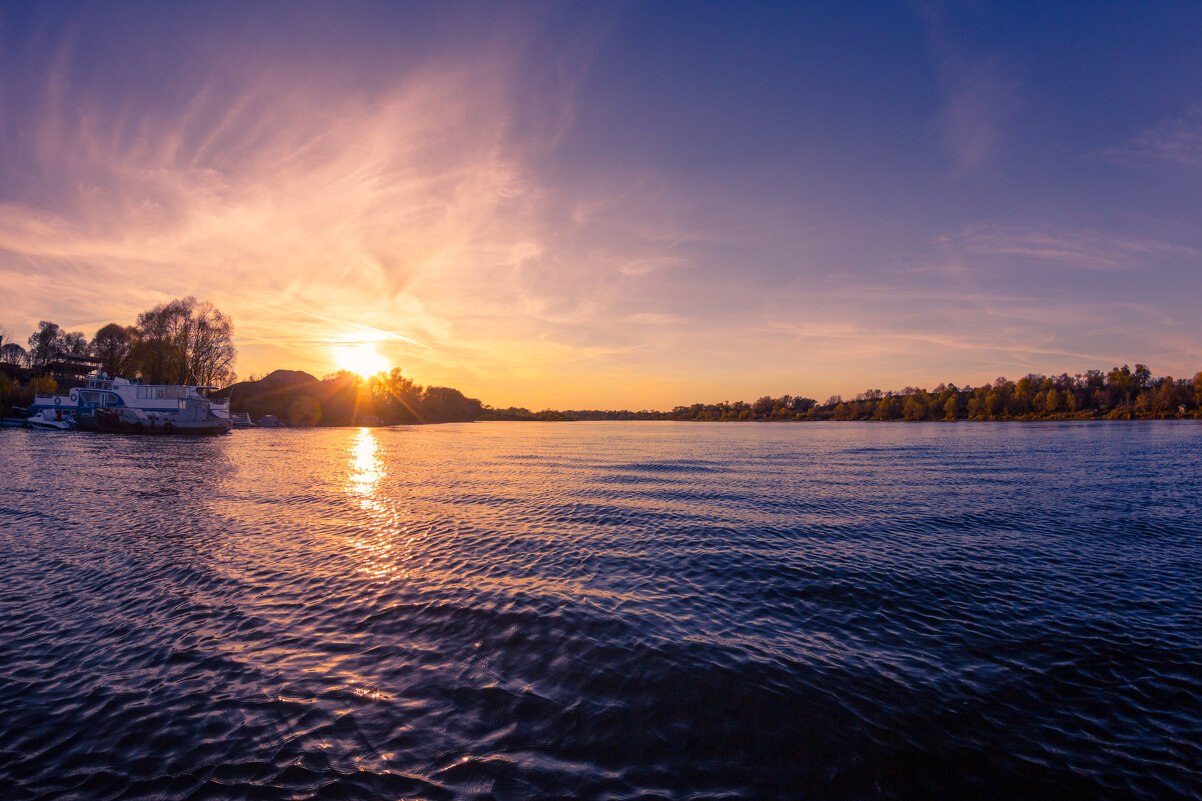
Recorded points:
184,341
1120,394
190,342
345,398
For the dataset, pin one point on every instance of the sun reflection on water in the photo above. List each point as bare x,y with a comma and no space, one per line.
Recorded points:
366,469
384,538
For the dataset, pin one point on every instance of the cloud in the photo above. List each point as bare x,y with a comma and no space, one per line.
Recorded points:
429,207
320,200
1079,249
980,93
980,99
1175,140
406,214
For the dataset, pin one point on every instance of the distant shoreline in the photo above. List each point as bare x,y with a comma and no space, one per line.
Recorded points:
298,399
387,399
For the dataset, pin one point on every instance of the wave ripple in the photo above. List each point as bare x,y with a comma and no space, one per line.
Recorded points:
604,611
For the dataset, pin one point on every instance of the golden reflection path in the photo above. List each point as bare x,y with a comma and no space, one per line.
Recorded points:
385,538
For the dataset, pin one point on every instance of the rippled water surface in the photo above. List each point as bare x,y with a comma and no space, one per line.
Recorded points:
604,611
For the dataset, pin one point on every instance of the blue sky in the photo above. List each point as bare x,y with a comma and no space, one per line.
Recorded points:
617,205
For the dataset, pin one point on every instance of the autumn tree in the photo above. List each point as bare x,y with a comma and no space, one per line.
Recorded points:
951,408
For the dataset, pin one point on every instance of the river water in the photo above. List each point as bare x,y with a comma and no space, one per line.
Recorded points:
604,611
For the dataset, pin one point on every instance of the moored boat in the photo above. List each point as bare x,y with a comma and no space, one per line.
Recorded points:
193,420
50,421
118,404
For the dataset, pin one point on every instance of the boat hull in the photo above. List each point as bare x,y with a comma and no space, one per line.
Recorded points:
110,423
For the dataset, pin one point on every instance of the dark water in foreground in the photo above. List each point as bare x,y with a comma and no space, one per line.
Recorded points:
604,611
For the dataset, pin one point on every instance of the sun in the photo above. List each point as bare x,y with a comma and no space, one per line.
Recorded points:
361,358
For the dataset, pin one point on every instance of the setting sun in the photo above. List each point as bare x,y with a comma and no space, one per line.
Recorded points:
362,359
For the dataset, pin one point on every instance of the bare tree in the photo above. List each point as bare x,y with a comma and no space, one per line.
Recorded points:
185,341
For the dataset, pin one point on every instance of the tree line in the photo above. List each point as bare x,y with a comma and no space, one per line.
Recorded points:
183,341
188,341
1120,394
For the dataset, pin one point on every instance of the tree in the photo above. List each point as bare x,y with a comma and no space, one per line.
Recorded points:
395,397
113,345
1052,401
12,353
185,341
1165,402
762,407
444,404
43,344
1120,384
74,342
1141,377
50,343
914,408
951,409
210,349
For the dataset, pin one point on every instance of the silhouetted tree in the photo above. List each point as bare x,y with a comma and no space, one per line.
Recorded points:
13,353
113,345
50,343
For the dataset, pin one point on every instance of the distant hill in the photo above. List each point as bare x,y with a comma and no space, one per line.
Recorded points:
298,398
294,396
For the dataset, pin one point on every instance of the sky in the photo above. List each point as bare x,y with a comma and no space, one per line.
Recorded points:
617,205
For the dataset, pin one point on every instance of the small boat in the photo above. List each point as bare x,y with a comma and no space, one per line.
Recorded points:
50,420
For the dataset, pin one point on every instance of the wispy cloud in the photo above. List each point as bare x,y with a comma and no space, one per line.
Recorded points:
980,94
1176,140
980,99
1080,249
440,201
407,215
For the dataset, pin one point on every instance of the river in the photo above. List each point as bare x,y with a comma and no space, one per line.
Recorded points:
604,611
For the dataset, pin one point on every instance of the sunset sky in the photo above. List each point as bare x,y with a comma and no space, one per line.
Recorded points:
602,204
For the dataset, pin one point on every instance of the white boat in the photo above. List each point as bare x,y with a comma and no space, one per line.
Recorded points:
172,407
50,420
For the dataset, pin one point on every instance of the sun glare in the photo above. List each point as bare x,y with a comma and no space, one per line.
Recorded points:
361,359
